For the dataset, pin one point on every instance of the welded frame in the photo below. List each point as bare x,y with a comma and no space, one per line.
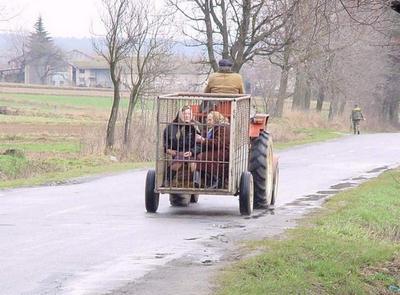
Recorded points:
239,119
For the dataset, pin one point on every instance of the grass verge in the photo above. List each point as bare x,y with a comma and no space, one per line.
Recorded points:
350,247
309,135
59,170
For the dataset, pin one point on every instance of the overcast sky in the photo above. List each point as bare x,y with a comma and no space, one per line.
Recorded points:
67,18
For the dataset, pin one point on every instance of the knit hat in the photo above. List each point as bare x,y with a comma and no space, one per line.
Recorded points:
225,63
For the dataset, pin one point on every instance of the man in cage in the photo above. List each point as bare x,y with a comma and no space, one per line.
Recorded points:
181,145
213,160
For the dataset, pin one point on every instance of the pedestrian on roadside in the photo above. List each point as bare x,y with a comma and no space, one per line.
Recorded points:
356,117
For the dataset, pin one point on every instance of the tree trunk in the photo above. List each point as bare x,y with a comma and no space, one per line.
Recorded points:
112,121
342,106
280,102
333,107
128,120
302,92
321,98
209,34
390,109
297,94
307,95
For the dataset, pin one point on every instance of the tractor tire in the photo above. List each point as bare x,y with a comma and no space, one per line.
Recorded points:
194,198
179,200
246,194
261,167
275,186
152,199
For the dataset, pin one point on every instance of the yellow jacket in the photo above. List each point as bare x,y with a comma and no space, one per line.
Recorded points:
222,82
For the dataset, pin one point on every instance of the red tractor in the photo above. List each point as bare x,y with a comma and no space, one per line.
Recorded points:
240,163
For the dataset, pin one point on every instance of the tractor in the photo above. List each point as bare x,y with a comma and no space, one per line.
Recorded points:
241,163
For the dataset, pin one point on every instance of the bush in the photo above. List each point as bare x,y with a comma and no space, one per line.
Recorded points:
11,166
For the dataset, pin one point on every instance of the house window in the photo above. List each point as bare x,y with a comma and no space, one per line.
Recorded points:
81,71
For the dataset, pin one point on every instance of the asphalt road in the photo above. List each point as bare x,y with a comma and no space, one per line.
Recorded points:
95,237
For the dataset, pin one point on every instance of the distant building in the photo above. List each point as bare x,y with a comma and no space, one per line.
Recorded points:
79,69
90,73
13,71
82,70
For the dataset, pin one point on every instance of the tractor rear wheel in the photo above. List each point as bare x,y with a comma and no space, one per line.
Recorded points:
179,200
151,197
246,194
261,167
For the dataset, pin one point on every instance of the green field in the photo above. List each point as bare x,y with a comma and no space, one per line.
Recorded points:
350,247
56,147
60,101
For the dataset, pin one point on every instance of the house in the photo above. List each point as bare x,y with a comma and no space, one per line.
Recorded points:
78,69
13,71
94,72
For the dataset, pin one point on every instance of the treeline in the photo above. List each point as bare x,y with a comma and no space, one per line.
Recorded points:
340,52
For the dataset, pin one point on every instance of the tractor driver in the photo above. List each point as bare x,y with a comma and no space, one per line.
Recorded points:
223,81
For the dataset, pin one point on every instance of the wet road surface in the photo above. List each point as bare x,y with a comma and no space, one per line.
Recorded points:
95,237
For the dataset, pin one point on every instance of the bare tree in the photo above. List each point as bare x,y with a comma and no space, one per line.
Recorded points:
239,30
391,100
114,47
150,49
282,59
305,36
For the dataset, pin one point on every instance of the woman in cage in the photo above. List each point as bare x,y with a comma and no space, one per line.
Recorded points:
181,144
213,159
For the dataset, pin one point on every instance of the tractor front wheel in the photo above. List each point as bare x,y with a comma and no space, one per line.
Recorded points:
151,197
246,194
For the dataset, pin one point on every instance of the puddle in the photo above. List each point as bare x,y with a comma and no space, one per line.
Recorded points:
301,203
343,185
379,169
162,255
331,192
192,239
221,238
262,214
296,210
312,197
229,225
359,178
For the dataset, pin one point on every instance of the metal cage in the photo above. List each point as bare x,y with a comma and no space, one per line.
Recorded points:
217,162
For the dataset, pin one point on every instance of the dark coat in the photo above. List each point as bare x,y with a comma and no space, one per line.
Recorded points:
214,157
181,138
219,141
